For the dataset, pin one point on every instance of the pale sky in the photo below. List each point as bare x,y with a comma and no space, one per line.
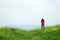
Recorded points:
29,12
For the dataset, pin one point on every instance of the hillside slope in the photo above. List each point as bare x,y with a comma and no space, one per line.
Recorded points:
49,33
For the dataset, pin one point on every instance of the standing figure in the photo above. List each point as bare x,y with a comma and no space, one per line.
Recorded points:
42,23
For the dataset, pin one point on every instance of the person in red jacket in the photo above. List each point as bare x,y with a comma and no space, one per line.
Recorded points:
42,23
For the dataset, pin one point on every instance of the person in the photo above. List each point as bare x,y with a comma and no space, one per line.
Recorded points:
42,23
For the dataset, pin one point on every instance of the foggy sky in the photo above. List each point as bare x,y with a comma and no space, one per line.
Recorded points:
29,12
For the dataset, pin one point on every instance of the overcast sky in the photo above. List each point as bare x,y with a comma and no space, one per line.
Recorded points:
29,12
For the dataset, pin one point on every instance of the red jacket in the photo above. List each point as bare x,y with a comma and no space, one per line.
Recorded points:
42,22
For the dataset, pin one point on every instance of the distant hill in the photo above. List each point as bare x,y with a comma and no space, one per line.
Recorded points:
49,33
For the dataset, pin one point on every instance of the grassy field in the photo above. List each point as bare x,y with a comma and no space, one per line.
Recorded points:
49,33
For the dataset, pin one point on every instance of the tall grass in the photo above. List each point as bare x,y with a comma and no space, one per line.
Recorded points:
49,33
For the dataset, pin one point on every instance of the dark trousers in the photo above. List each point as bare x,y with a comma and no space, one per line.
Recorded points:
43,26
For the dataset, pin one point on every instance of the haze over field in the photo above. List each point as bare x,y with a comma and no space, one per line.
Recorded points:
29,12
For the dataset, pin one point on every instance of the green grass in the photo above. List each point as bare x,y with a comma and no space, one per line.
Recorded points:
49,33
